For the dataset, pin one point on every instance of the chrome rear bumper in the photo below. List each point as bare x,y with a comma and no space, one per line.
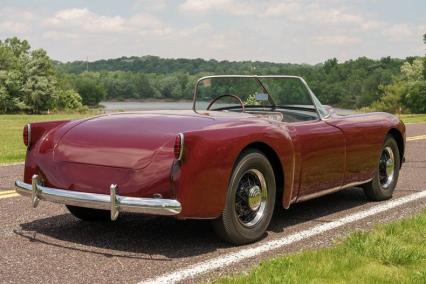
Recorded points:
112,202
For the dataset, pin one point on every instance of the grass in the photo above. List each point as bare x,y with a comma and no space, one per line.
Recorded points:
12,148
413,118
392,253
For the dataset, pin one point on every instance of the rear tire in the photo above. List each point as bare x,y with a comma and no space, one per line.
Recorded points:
384,182
250,200
89,214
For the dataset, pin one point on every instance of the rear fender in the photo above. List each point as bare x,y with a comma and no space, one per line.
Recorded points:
44,136
208,161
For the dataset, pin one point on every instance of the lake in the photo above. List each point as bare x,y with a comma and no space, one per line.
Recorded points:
135,106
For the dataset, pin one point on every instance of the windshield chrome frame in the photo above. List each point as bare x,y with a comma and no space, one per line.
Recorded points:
257,78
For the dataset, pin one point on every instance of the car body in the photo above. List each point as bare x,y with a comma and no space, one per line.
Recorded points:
128,161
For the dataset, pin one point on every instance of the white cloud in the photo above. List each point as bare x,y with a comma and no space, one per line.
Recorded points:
228,6
84,20
335,40
72,21
15,21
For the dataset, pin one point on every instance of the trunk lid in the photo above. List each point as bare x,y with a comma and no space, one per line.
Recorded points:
126,140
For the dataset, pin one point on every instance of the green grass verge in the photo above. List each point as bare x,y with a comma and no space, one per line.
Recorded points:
413,118
12,148
392,253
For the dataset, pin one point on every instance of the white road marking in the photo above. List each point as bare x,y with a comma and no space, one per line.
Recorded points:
235,257
420,137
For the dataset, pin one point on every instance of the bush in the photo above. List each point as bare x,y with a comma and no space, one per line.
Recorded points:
69,100
415,98
91,91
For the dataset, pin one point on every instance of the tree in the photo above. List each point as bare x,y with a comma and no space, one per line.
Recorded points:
91,91
40,85
415,97
28,79
69,99
424,60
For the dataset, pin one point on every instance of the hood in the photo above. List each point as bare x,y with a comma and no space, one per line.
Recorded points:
126,140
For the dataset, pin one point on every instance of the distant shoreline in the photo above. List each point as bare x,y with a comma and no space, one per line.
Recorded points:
148,101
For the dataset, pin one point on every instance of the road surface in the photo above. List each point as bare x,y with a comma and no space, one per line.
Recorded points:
48,244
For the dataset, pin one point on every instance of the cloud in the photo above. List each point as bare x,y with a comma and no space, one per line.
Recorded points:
335,40
228,6
83,20
11,24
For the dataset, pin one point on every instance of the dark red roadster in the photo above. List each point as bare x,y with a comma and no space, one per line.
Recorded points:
249,143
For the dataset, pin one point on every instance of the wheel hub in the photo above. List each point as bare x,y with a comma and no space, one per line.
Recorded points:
250,199
254,198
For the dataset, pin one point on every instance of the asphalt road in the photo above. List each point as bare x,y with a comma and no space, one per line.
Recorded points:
48,244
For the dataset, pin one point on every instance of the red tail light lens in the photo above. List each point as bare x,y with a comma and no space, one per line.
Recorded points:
178,147
27,135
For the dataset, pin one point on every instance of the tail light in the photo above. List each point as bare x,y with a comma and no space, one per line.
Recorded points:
178,147
27,134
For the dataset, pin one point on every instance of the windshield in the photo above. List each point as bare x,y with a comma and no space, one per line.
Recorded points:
255,92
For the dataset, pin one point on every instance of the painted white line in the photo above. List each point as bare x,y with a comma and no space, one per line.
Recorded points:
227,259
420,137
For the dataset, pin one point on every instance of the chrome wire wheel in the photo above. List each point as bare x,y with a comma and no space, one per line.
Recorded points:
386,167
251,198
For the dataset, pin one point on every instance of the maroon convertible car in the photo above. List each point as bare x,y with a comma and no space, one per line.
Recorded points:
250,143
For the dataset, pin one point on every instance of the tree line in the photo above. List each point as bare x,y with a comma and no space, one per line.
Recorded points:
31,82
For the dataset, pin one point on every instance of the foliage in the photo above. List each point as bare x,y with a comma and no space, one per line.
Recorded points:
407,92
91,90
415,97
27,79
69,99
351,84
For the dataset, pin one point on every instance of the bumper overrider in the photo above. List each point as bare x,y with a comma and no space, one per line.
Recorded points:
113,202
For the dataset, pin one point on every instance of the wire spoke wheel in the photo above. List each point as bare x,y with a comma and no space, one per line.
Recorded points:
251,198
386,167
383,184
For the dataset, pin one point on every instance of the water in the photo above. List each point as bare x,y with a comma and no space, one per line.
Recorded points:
135,106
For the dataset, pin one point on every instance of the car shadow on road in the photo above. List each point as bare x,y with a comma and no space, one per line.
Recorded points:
163,238
319,210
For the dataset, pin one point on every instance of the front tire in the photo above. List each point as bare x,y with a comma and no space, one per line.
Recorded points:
89,214
384,182
250,200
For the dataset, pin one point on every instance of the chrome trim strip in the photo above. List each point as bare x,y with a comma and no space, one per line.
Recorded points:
182,145
29,135
330,190
113,202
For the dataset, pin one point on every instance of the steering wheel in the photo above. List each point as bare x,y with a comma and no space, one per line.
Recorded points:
226,95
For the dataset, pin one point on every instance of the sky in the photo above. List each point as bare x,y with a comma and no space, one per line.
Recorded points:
287,31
